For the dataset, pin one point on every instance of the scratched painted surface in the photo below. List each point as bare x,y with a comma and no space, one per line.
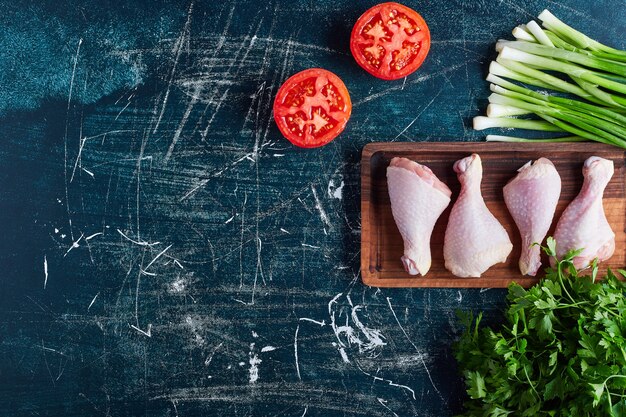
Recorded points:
165,252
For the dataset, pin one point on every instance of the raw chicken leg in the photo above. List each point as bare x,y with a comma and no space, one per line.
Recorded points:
531,198
417,200
583,223
474,240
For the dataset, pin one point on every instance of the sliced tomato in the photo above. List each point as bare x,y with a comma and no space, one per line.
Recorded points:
390,41
312,108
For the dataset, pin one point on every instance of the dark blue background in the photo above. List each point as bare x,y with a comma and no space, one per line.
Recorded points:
197,263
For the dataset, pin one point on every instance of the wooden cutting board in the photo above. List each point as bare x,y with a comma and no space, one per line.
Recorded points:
381,243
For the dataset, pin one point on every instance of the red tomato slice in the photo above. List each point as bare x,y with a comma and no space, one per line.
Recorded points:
390,41
312,108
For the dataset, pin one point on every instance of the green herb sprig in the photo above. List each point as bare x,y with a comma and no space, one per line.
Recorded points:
560,352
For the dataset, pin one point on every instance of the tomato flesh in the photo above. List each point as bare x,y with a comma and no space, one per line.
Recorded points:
312,108
390,41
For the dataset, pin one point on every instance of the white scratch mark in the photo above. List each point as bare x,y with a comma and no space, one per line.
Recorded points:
243,219
306,408
78,158
295,351
306,245
45,272
217,109
178,47
254,361
408,126
295,341
268,348
74,245
125,107
415,81
155,258
67,115
183,121
374,337
383,402
370,339
43,347
259,265
208,360
194,189
320,323
94,235
145,333
137,242
335,192
420,354
344,355
419,114
229,220
284,231
323,215
388,381
93,301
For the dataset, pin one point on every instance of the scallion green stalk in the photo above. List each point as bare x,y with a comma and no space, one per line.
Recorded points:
596,72
561,119
496,110
551,81
499,69
580,39
499,138
538,33
482,122
520,33
552,52
554,65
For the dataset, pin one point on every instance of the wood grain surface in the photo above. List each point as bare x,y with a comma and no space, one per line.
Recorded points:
381,243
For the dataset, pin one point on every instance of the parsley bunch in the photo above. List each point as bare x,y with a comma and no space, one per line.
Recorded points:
561,351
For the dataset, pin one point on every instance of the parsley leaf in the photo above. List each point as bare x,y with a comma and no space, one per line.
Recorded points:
561,351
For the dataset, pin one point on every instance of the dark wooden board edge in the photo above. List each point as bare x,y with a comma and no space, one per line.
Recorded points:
371,279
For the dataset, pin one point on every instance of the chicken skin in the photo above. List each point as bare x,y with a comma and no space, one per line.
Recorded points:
531,198
583,224
418,198
474,240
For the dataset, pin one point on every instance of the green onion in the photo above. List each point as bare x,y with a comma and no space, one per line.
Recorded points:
538,34
498,69
497,110
550,81
580,39
499,138
482,122
522,34
560,102
594,72
566,68
551,52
